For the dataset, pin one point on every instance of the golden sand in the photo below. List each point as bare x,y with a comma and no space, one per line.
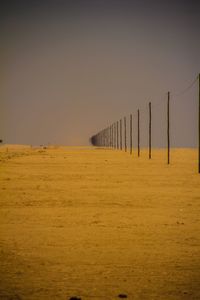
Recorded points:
96,223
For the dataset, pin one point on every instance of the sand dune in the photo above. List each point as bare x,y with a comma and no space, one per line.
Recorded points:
97,224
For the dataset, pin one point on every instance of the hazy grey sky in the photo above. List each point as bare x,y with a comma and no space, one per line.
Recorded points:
69,68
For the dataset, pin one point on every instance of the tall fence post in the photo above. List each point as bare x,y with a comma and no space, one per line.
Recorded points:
107,138
131,135
199,122
149,130
168,128
120,134
112,136
117,135
138,132
125,145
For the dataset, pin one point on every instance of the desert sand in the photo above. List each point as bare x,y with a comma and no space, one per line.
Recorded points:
96,223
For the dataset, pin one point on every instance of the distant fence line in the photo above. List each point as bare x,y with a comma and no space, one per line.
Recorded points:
112,136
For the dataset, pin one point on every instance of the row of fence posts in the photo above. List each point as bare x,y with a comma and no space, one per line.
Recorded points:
112,136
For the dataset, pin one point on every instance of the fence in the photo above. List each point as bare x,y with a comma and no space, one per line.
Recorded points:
113,136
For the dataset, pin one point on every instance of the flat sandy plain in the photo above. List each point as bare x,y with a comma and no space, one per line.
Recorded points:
96,223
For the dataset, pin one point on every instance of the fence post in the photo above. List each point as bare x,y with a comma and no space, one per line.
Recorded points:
111,135
125,145
131,129
120,134
199,122
138,132
106,137
149,130
168,136
117,135
114,130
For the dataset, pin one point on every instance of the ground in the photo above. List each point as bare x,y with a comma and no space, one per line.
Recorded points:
96,223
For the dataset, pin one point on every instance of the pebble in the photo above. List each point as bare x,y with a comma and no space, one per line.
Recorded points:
122,296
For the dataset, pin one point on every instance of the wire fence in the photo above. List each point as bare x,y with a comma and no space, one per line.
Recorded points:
119,134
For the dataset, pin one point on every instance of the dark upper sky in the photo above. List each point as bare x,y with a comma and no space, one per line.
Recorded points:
69,68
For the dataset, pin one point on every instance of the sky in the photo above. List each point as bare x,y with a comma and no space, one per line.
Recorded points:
72,68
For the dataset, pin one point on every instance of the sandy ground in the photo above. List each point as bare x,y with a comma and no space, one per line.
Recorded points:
96,223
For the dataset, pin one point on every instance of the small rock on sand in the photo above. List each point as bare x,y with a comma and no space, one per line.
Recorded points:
122,296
